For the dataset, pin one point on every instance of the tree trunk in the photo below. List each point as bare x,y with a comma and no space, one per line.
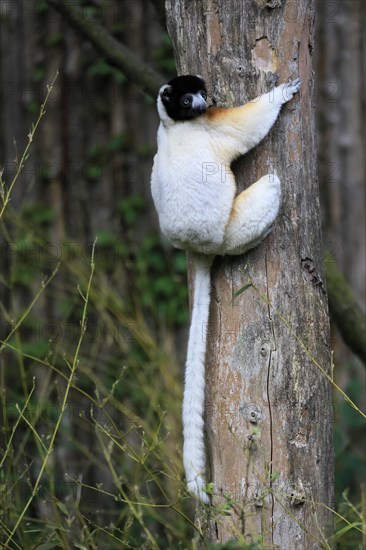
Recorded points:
341,107
341,114
268,405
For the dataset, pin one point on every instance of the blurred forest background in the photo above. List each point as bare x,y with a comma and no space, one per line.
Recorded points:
115,471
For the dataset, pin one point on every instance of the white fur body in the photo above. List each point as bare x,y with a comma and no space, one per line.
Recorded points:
193,207
194,190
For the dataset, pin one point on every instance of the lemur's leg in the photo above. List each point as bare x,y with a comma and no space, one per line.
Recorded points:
253,214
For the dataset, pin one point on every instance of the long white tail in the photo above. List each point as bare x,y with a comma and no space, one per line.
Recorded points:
194,388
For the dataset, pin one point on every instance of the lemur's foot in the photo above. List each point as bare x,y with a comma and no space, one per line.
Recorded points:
290,88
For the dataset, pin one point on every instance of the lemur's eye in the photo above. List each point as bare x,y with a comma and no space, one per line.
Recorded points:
186,101
204,95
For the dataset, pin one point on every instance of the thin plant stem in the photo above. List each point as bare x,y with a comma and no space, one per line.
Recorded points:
5,193
83,324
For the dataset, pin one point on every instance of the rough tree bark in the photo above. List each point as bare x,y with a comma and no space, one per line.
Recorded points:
268,405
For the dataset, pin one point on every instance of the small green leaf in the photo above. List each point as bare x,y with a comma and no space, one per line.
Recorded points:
62,507
241,290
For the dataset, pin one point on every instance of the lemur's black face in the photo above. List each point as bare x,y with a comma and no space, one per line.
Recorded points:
184,97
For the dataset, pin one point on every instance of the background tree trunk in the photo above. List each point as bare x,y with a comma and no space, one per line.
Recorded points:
268,405
92,152
341,114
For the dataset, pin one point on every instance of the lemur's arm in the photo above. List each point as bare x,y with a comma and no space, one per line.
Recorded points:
245,126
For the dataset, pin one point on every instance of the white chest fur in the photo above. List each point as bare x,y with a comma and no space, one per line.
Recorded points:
192,187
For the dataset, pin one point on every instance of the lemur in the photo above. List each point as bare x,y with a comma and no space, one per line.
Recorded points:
194,191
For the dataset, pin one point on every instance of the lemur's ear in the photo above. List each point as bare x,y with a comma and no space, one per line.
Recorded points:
166,91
